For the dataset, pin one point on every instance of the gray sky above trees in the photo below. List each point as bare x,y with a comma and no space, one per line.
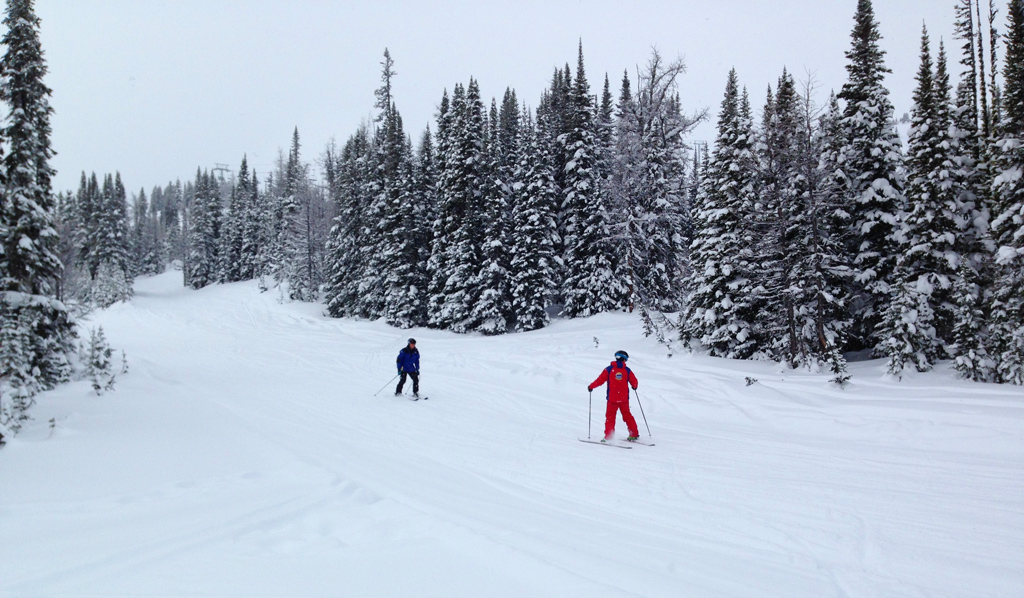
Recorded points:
155,88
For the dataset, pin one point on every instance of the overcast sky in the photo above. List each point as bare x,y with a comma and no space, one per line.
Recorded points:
156,88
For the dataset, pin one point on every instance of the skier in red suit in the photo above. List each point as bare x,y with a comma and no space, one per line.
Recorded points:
618,376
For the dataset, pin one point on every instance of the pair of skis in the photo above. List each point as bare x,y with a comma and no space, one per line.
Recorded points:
625,444
414,397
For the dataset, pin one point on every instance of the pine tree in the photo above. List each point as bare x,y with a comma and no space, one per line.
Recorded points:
534,200
454,263
111,264
36,331
298,245
970,356
825,270
1007,325
28,262
443,223
247,220
493,309
873,165
907,323
932,222
205,218
347,246
404,278
648,185
67,223
171,221
781,225
146,257
717,312
590,286
231,239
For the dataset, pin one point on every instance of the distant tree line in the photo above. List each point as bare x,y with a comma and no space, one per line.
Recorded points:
803,234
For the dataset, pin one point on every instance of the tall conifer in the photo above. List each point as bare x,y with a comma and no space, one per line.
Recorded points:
873,165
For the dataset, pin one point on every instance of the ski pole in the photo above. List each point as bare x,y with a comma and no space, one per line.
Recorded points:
590,411
642,411
386,385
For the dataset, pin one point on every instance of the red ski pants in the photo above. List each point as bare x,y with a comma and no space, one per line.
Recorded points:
609,418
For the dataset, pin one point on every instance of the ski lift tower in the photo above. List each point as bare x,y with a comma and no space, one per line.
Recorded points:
219,170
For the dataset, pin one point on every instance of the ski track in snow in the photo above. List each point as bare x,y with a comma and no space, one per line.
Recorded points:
244,454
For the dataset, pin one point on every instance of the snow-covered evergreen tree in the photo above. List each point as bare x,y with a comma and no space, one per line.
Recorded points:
454,262
404,277
825,317
35,329
146,245
778,288
1007,317
908,326
873,166
171,219
971,177
648,186
970,355
493,309
108,241
202,263
300,238
347,246
590,285
933,221
534,201
718,311
231,237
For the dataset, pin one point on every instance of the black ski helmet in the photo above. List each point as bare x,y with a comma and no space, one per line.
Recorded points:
412,341
621,356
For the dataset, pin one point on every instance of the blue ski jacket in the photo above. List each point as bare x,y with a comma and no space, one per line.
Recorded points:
408,359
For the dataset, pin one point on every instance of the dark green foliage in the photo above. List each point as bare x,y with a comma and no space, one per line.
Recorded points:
719,312
36,331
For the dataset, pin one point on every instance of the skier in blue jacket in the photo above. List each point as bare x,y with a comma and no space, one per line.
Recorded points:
408,363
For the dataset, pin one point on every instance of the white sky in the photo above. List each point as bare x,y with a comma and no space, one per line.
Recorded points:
155,88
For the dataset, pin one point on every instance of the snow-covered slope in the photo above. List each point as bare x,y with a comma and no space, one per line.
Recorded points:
245,455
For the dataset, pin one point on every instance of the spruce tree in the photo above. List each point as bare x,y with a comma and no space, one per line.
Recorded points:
442,223
717,312
493,309
146,255
781,224
931,225
248,223
907,322
649,186
112,274
203,258
590,286
873,165
970,356
534,200
298,242
1007,325
234,224
35,329
27,261
454,263
347,247
171,221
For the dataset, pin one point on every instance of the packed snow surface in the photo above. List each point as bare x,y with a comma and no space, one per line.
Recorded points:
245,454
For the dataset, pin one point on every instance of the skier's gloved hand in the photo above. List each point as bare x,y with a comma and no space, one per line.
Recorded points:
399,371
